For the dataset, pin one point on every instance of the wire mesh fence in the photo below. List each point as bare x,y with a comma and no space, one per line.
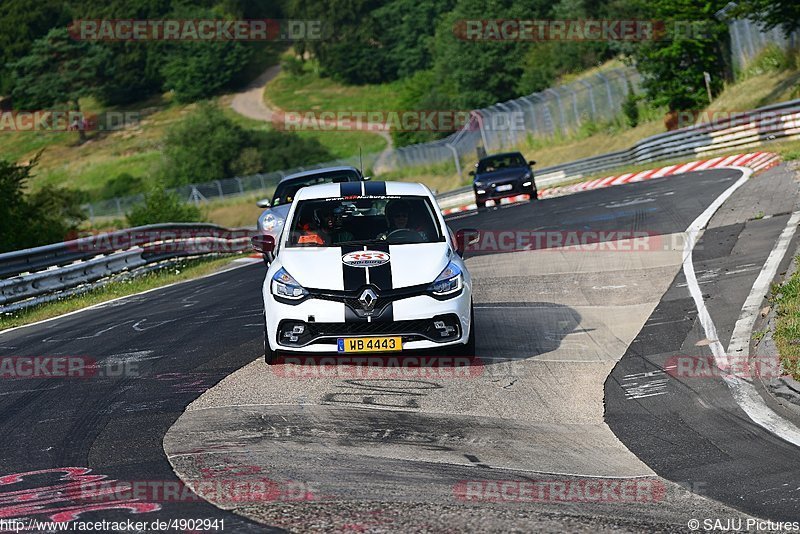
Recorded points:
557,111
749,38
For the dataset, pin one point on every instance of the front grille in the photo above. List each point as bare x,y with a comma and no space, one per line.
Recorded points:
327,333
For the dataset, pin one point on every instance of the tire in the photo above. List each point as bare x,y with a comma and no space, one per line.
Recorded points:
469,347
270,356
480,205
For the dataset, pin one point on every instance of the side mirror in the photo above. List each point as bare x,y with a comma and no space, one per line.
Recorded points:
465,238
263,243
263,203
532,162
472,173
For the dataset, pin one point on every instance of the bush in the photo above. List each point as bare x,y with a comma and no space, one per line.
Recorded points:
122,185
199,70
630,107
44,217
292,65
772,58
208,146
161,206
202,147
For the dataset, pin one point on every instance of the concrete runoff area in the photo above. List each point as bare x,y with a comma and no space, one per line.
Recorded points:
551,325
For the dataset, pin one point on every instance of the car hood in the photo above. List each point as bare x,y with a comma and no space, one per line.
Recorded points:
322,268
502,174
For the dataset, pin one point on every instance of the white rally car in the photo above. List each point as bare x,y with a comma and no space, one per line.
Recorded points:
366,267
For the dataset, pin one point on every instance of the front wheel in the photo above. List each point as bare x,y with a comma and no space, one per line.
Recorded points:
481,205
270,356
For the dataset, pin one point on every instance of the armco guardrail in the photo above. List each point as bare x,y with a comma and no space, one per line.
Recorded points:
30,274
740,131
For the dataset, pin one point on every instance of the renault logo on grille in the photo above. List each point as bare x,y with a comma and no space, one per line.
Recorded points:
367,299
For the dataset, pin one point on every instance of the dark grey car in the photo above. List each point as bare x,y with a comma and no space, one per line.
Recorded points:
503,175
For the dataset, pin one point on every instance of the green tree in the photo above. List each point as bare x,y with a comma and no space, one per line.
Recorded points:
44,217
672,67
60,69
162,206
202,147
21,23
198,70
772,13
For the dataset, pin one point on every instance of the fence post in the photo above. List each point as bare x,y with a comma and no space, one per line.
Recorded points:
455,158
591,98
533,113
241,187
119,206
479,117
219,188
608,92
560,109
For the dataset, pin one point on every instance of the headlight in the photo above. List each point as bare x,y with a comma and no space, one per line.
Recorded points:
450,281
283,285
271,222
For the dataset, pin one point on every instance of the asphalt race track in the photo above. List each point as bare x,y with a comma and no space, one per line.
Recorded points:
562,335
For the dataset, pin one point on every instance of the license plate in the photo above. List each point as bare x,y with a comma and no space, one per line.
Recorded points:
506,187
370,344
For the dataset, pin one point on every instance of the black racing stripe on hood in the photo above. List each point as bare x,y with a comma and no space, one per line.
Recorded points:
349,189
375,188
354,278
381,277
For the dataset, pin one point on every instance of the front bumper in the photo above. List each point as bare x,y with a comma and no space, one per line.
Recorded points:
323,322
491,193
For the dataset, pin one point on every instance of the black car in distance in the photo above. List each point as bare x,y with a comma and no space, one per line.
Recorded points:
501,176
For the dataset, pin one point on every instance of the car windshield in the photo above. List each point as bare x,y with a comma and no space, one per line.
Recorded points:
380,219
495,163
286,191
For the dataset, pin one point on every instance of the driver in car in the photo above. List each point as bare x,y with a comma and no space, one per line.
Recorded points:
329,221
398,213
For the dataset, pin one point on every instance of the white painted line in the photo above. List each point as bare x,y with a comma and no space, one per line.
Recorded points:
740,339
743,392
106,302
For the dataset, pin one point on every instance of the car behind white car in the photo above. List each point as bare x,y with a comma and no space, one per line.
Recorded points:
366,267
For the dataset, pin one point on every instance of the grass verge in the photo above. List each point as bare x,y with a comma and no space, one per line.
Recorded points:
786,299
184,270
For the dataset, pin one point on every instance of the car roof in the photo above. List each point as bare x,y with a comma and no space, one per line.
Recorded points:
323,170
502,154
391,188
